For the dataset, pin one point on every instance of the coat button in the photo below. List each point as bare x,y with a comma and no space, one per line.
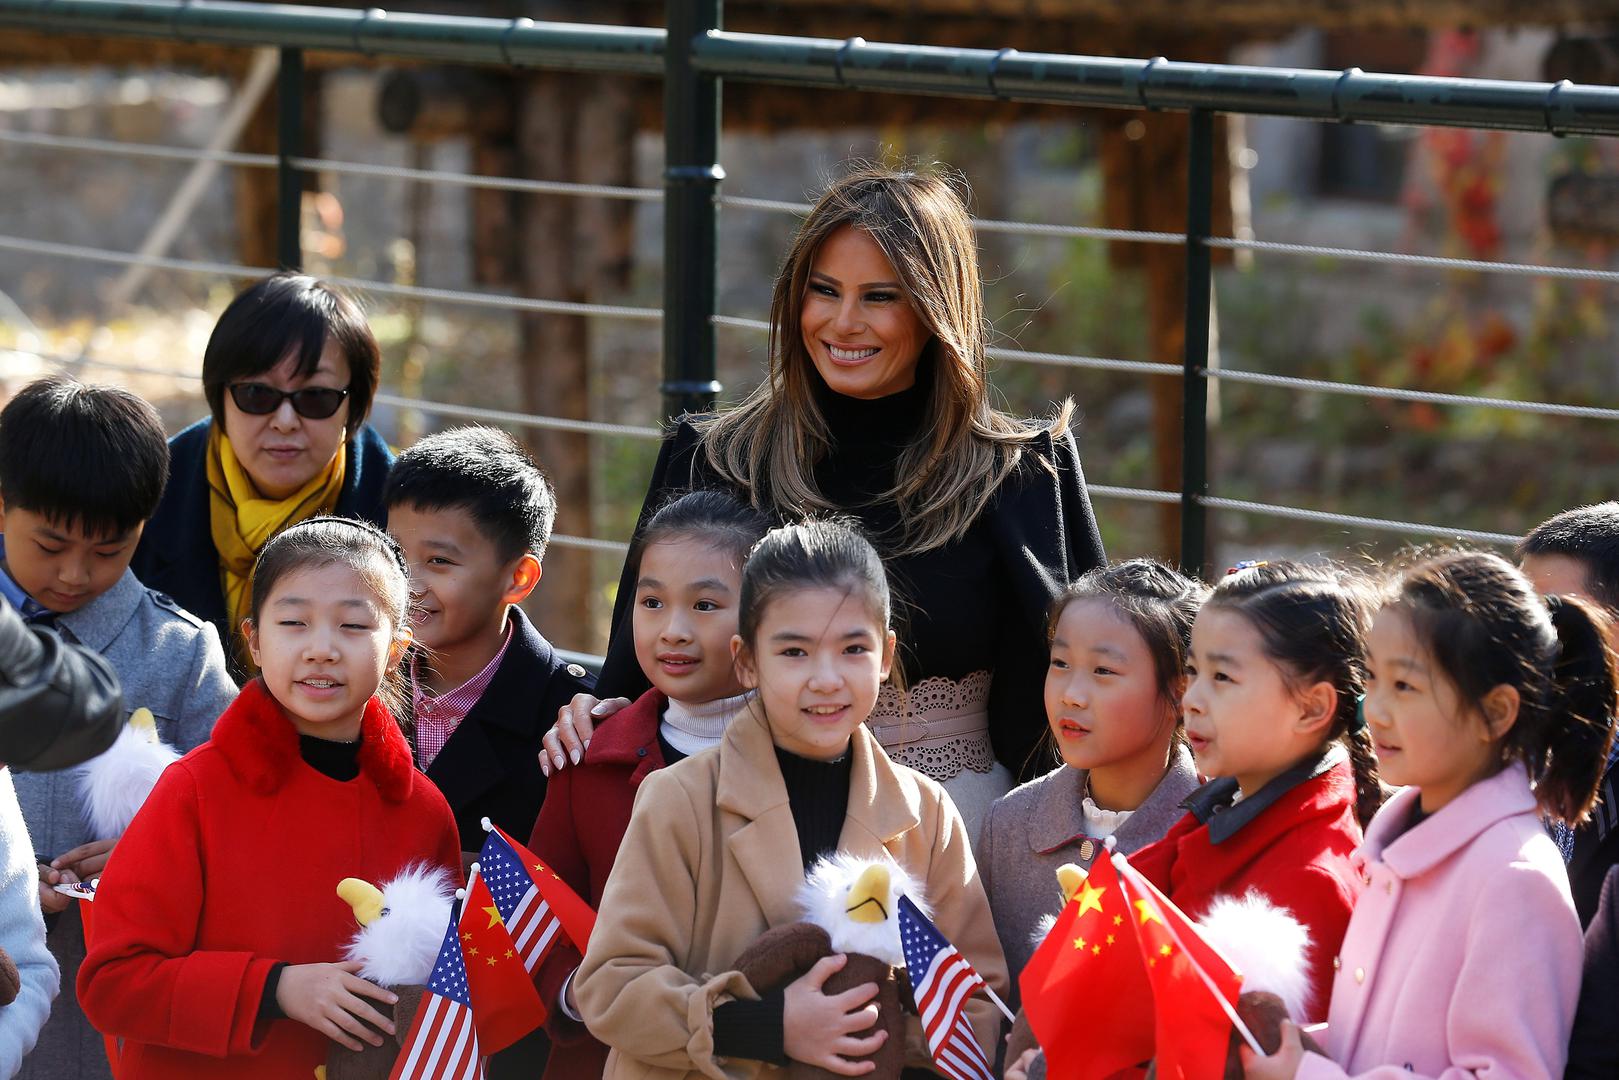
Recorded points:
575,670
640,751
1388,887
1360,975
1337,963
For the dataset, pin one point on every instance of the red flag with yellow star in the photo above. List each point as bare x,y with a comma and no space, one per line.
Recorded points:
1089,967
505,1005
1188,980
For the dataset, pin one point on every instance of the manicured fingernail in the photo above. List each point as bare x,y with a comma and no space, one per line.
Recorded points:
587,744
393,999
598,709
574,754
559,761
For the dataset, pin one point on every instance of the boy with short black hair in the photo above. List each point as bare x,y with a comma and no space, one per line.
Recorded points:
473,514
81,469
1577,553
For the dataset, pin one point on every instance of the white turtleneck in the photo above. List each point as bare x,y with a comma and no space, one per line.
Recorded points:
692,727
1099,823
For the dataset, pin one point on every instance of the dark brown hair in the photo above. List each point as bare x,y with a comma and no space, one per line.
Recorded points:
1312,620
824,553
1482,624
1160,603
358,545
291,315
1589,535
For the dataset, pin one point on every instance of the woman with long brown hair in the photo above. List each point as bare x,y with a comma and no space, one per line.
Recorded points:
877,405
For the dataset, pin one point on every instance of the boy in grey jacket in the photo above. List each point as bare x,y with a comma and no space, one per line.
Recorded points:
81,469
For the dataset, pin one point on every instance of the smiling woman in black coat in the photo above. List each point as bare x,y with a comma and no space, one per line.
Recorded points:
877,405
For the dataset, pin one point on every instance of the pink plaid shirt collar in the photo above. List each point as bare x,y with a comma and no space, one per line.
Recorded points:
438,715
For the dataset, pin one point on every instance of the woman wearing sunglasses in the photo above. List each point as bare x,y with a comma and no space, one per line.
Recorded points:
289,374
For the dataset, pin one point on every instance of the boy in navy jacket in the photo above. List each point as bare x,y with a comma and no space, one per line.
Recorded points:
473,513
1577,553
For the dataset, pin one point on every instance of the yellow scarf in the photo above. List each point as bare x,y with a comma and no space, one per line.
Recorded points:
242,522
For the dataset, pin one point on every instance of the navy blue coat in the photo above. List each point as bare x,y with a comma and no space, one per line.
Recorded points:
176,554
490,767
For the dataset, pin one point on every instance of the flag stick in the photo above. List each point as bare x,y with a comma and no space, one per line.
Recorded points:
1000,1004
1122,865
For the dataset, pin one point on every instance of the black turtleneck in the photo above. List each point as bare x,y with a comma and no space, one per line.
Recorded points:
338,760
818,793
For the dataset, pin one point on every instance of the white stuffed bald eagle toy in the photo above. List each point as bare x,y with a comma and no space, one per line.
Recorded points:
401,926
850,906
114,784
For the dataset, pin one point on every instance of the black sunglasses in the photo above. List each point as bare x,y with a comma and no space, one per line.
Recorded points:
312,402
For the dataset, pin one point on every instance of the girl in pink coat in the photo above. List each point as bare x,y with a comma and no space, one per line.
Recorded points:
1462,959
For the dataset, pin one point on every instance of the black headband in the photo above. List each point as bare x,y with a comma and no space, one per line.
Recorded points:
388,542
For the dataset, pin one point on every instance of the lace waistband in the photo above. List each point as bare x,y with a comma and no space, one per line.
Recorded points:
938,727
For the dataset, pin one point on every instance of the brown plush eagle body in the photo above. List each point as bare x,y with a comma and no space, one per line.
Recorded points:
850,907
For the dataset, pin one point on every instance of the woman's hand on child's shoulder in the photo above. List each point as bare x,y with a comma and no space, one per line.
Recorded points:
818,1028
569,737
1282,1065
327,997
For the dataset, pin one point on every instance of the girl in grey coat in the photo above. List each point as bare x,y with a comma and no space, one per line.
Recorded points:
1119,638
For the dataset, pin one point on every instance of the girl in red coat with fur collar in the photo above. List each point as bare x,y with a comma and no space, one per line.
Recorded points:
1272,715
218,923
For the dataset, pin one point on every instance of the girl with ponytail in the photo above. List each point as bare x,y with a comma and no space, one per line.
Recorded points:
1275,674
1494,707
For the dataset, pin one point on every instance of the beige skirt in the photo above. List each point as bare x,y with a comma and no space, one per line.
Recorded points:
940,728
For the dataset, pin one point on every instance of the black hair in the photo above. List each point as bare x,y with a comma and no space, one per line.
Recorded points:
716,518
816,554
82,454
1160,603
1312,621
486,473
321,541
1480,621
285,315
1589,534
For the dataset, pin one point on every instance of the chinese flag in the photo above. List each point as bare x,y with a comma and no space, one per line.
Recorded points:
1089,967
505,1005
577,917
1193,1031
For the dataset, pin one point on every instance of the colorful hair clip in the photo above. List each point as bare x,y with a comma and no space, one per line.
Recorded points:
1360,716
1246,564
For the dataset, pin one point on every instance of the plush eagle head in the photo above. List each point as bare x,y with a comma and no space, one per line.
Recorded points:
856,900
401,924
114,784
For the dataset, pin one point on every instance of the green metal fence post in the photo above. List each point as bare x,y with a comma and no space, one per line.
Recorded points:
289,252
1195,387
691,180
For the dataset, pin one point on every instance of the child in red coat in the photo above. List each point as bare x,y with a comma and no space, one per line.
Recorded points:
218,923
1272,714
686,590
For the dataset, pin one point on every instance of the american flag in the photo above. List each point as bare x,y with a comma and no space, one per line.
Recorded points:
941,983
443,1044
527,916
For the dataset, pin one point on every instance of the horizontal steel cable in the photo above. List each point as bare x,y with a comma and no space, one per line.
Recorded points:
384,288
477,180
502,416
585,543
1298,513
1131,494
120,148
1400,394
1404,259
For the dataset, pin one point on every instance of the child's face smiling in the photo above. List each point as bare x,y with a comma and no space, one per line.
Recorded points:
1102,697
62,566
1242,718
322,644
684,618
459,582
818,659
1424,736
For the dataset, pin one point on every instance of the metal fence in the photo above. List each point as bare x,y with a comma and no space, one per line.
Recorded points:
695,56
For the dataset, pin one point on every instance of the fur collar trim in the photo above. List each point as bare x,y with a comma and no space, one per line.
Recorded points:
261,744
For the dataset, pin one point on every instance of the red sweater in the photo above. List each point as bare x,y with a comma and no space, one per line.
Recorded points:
232,865
1295,853
581,823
